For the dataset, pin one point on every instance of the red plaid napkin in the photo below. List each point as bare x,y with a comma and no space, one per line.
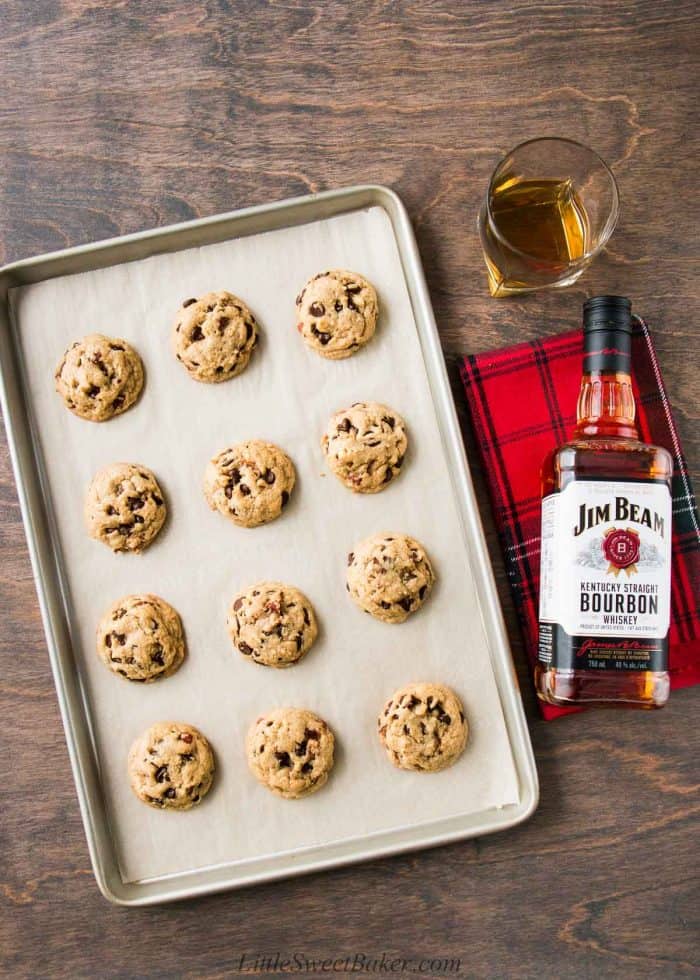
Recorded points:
523,403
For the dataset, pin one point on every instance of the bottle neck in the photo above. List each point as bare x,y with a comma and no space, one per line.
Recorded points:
606,405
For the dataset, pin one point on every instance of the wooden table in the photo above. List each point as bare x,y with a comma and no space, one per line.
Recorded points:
118,116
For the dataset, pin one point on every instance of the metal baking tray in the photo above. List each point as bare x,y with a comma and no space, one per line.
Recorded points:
49,567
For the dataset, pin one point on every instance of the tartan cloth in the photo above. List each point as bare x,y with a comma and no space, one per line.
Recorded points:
522,402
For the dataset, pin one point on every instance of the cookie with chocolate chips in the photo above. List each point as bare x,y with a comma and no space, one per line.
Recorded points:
365,446
214,336
99,377
272,624
389,576
290,750
124,507
337,313
423,728
171,766
250,483
140,637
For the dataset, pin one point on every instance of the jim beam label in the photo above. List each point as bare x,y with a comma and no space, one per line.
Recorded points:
605,576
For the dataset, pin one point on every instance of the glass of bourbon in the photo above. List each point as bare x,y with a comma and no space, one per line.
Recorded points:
551,206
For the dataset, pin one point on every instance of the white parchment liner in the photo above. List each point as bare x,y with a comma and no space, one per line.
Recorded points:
200,558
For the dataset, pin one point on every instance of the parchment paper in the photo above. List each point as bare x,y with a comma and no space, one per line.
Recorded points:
201,559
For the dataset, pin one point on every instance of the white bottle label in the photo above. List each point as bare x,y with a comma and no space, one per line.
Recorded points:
605,575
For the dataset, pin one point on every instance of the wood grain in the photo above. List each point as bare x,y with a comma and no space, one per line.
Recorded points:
120,115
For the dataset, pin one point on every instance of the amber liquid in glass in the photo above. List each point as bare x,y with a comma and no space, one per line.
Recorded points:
542,219
605,446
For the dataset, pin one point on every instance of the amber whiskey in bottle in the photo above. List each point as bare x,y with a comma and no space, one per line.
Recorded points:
606,538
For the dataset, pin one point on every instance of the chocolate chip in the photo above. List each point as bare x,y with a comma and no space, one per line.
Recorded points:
405,603
188,302
285,498
345,425
138,519
388,475
269,477
157,656
135,503
118,401
158,501
162,774
306,616
219,370
384,605
390,421
93,391
245,649
186,737
228,490
110,510
196,334
421,592
245,490
170,793
351,558
237,604
116,347
399,462
248,331
224,322
445,719
300,748
284,760
311,733
108,640
338,306
186,757
317,309
353,289
307,767
235,476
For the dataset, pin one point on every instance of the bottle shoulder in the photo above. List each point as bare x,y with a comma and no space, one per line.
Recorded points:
606,458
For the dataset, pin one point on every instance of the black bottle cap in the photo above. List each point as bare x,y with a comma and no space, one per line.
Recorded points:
607,334
607,313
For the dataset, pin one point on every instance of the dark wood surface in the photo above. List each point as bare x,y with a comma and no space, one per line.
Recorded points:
118,116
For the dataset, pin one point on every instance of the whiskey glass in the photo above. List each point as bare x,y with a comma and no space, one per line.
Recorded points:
551,206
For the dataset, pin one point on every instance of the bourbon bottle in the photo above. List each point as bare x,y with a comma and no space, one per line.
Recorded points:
606,538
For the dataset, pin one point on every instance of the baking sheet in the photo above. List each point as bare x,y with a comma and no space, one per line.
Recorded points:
200,559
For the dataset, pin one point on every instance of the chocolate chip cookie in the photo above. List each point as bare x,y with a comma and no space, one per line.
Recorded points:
365,446
337,313
290,750
250,483
214,336
99,377
423,728
389,576
124,507
140,637
171,766
273,624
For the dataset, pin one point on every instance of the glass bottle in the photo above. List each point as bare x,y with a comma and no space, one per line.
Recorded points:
606,538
